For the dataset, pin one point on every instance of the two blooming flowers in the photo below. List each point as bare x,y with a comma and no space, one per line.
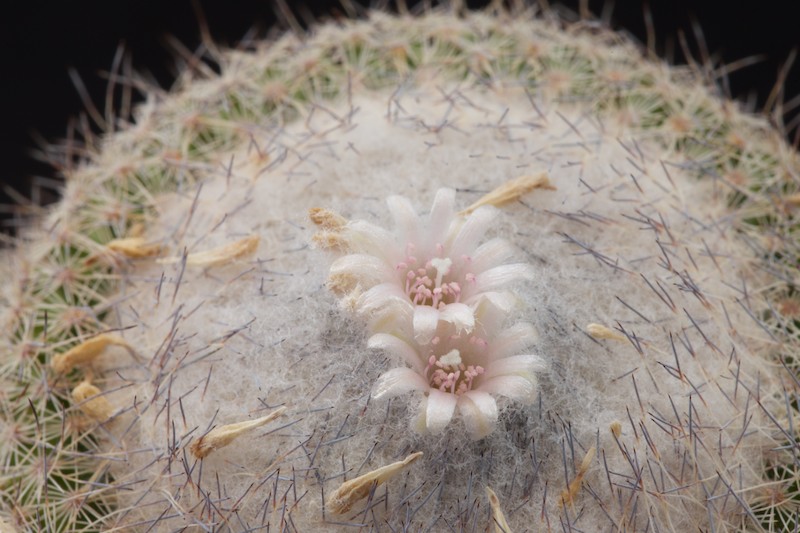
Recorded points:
434,298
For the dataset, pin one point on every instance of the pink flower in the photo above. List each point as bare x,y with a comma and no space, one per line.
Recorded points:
432,268
461,371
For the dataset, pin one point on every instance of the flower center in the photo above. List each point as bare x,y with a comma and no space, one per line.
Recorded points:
431,283
448,373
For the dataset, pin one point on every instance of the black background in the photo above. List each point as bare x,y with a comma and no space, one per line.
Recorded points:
41,40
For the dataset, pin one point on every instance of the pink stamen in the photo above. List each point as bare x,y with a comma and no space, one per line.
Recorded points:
455,378
428,285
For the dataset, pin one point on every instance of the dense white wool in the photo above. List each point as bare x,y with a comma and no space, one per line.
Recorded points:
628,240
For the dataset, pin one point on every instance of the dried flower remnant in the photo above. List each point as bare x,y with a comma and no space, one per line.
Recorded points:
499,519
85,352
433,269
222,436
464,371
599,331
350,492
219,256
568,495
512,190
134,247
90,400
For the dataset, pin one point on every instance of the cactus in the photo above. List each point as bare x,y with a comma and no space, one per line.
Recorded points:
173,357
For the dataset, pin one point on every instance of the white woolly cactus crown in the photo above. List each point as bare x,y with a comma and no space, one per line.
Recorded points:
191,350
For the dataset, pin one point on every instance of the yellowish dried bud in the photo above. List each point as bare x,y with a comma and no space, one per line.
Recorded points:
792,200
134,247
341,284
330,240
499,519
219,256
136,230
89,400
85,352
512,190
616,428
599,331
222,436
356,489
568,495
326,219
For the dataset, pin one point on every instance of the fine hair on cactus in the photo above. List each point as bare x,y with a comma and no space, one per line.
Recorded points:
440,271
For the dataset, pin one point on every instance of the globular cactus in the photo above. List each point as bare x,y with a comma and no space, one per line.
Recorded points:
187,348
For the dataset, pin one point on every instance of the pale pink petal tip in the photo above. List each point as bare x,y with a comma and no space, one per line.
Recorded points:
479,411
439,411
398,381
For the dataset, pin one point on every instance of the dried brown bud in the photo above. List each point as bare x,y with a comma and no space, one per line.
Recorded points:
330,240
356,489
219,256
512,190
134,247
89,400
222,436
568,495
499,519
599,331
326,219
85,352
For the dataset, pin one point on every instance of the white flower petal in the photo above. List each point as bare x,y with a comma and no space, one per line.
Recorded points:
479,410
398,381
439,410
491,254
460,315
441,215
426,319
368,269
364,237
512,340
406,221
418,423
502,302
382,295
471,231
502,275
521,365
518,388
398,347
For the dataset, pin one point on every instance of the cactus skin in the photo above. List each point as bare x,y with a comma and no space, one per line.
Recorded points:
57,463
